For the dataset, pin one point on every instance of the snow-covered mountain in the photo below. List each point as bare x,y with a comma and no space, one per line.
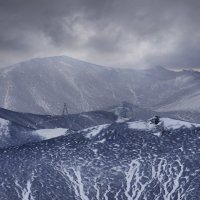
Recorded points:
115,152
127,160
43,85
21,128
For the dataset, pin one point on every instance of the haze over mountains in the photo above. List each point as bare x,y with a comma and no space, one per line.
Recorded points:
43,85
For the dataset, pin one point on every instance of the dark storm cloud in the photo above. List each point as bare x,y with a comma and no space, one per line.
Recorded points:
124,33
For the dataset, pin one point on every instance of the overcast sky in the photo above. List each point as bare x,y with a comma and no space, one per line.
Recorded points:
118,33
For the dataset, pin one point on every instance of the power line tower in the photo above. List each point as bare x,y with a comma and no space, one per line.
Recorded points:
65,110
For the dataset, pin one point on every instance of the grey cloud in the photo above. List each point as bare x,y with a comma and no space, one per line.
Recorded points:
112,32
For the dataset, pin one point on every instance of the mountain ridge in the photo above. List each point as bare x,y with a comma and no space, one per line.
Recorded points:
43,85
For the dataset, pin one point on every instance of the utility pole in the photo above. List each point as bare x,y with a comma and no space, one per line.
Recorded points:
65,110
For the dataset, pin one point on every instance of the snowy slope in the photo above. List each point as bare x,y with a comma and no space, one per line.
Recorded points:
165,124
4,127
116,161
187,103
21,128
46,134
43,85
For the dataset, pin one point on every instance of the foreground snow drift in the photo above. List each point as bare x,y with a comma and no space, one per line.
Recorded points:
167,123
119,161
50,133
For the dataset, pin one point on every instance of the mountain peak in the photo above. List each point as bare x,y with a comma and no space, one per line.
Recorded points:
43,85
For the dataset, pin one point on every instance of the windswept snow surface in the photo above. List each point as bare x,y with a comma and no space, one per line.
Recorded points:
166,123
93,131
114,163
4,129
176,124
106,162
51,133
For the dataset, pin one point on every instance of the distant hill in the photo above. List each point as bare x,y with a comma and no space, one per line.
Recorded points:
43,85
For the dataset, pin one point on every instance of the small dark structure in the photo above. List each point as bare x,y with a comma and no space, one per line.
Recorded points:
155,120
65,110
